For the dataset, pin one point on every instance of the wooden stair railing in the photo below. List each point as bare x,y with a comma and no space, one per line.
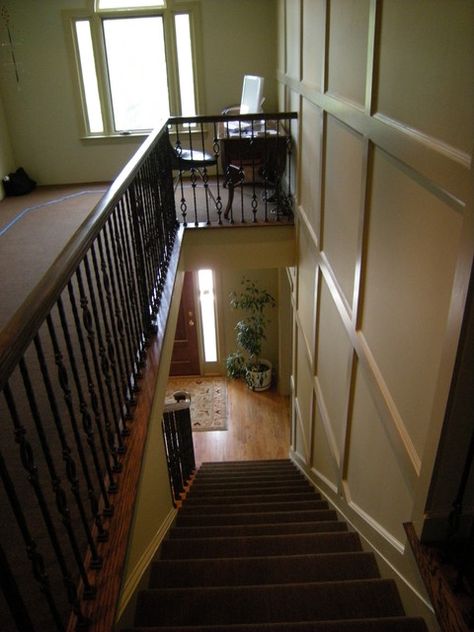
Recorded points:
71,369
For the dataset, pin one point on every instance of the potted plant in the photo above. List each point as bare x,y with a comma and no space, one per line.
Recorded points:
246,363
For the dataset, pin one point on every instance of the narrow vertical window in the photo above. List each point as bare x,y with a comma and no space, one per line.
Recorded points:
90,85
185,64
207,306
138,77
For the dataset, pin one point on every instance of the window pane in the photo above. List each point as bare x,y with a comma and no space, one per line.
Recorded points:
208,314
89,76
137,71
185,65
129,4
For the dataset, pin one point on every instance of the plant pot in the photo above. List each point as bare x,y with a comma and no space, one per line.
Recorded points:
260,379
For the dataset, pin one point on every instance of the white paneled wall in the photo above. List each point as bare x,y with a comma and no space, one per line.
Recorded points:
385,231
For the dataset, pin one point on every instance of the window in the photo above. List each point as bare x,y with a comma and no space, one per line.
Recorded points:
136,65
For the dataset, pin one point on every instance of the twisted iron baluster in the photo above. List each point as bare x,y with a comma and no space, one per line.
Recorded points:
120,305
114,348
36,559
59,493
134,212
110,451
63,380
127,300
12,595
86,417
70,465
114,440
216,149
132,290
105,360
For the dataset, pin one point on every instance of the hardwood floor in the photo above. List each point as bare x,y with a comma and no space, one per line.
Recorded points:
258,428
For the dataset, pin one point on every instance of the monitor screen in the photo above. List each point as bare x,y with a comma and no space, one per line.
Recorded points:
252,95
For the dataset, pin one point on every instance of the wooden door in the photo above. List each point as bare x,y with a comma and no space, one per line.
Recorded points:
185,358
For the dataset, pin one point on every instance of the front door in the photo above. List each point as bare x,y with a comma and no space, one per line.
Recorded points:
185,358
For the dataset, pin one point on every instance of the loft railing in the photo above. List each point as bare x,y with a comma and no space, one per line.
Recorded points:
236,169
72,360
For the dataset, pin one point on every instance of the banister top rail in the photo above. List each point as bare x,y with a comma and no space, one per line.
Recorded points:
16,335
260,116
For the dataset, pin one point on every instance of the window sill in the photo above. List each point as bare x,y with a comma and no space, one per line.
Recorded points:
114,138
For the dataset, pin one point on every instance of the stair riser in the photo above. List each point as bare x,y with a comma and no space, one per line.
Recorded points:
256,518
387,624
256,546
272,570
256,529
226,491
304,505
258,477
301,602
252,499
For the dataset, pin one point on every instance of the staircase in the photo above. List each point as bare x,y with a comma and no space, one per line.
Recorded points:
255,548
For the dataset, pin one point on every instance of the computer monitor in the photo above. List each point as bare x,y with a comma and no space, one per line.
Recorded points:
252,95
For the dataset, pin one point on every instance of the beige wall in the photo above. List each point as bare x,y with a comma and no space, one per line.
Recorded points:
42,113
385,245
6,154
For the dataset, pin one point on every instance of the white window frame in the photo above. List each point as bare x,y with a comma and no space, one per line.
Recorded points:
95,18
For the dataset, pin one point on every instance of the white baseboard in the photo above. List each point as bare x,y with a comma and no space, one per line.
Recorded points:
134,577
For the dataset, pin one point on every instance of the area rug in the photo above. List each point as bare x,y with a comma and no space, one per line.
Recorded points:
208,400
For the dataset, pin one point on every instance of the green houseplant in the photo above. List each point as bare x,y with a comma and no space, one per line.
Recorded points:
246,363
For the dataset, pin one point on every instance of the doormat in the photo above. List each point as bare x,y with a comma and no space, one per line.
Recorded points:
208,400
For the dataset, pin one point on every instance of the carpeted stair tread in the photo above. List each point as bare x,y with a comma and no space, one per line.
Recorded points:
255,548
264,463
380,624
224,491
299,505
263,570
247,476
258,529
258,545
208,501
196,520
272,603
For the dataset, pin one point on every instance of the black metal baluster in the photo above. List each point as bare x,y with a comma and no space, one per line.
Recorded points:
254,203
171,441
105,362
70,465
241,175
265,172
111,332
107,348
109,452
114,439
58,491
28,462
216,149
35,557
182,205
126,300
141,267
133,285
185,438
205,178
120,306
138,190
12,595
86,417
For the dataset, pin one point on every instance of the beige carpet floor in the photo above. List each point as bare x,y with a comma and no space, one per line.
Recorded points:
208,400
34,228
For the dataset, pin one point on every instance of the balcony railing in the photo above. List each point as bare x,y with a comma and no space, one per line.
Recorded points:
72,360
233,169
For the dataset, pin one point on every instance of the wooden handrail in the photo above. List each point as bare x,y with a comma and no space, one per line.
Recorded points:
18,332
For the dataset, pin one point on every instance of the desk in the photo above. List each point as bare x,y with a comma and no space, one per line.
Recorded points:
251,156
